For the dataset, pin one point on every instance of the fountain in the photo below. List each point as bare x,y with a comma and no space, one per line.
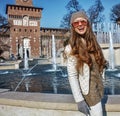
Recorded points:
26,46
37,79
54,64
25,59
54,53
51,78
26,74
112,79
111,53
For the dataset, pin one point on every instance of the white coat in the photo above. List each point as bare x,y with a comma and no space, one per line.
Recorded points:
79,83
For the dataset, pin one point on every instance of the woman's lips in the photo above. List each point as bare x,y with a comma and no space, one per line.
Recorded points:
81,28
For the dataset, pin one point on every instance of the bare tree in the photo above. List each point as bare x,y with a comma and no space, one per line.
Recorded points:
3,47
3,20
4,25
95,12
115,13
72,6
4,29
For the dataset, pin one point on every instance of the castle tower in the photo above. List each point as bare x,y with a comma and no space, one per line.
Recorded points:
25,28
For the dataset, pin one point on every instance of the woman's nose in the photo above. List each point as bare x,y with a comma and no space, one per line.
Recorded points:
80,23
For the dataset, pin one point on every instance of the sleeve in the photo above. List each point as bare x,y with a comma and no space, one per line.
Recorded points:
84,79
73,79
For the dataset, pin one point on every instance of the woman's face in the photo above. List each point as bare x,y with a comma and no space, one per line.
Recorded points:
80,25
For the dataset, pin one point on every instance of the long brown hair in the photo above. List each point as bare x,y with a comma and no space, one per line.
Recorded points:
82,52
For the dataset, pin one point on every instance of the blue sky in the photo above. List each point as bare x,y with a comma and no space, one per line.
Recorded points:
54,10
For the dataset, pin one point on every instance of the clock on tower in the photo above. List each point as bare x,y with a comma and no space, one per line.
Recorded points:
24,2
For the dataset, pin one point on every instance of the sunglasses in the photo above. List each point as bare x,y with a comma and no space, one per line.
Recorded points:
78,23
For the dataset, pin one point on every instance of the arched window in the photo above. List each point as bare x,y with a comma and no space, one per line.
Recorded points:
25,20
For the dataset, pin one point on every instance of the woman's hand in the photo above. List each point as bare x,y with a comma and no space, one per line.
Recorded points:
83,107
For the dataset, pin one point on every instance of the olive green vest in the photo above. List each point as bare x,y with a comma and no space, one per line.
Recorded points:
96,86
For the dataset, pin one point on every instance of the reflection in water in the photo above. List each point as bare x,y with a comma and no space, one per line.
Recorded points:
42,79
24,74
55,83
112,82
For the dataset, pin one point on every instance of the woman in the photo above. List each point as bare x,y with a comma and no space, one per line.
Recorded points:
85,64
